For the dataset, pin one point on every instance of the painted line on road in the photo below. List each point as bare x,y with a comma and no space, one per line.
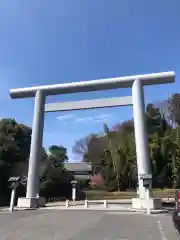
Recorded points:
160,227
117,239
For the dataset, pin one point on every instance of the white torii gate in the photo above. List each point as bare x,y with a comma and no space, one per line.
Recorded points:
137,100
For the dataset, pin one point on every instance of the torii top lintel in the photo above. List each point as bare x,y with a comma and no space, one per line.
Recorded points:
95,85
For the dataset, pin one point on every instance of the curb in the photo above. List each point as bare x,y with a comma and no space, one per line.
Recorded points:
6,210
105,209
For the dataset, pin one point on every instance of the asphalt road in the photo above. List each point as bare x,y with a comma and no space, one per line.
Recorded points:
85,225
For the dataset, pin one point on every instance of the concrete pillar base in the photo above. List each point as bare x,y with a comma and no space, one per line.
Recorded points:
31,202
141,203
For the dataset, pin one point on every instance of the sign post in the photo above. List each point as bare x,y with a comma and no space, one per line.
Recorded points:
15,182
74,190
13,195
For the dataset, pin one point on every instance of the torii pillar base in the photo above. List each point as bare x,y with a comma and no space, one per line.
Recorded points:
152,203
31,202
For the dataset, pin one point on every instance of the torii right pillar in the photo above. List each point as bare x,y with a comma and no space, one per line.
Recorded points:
142,152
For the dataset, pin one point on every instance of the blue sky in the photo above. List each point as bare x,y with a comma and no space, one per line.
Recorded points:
47,42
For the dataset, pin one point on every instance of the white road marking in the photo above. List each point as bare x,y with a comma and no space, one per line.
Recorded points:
118,239
163,237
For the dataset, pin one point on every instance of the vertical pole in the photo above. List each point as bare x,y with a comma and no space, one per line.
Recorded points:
36,146
148,209
86,203
67,203
142,151
105,203
13,194
74,193
176,199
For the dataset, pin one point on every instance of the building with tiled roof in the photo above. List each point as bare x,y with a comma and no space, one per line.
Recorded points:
80,170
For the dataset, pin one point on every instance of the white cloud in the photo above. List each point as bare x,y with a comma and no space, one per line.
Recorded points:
96,118
103,116
104,120
85,119
65,117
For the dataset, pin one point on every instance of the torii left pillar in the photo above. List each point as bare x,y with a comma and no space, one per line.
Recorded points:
32,193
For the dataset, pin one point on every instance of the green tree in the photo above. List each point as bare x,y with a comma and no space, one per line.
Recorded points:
58,152
15,141
114,153
174,108
55,180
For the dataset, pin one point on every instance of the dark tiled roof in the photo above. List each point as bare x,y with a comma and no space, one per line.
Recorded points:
78,166
82,177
